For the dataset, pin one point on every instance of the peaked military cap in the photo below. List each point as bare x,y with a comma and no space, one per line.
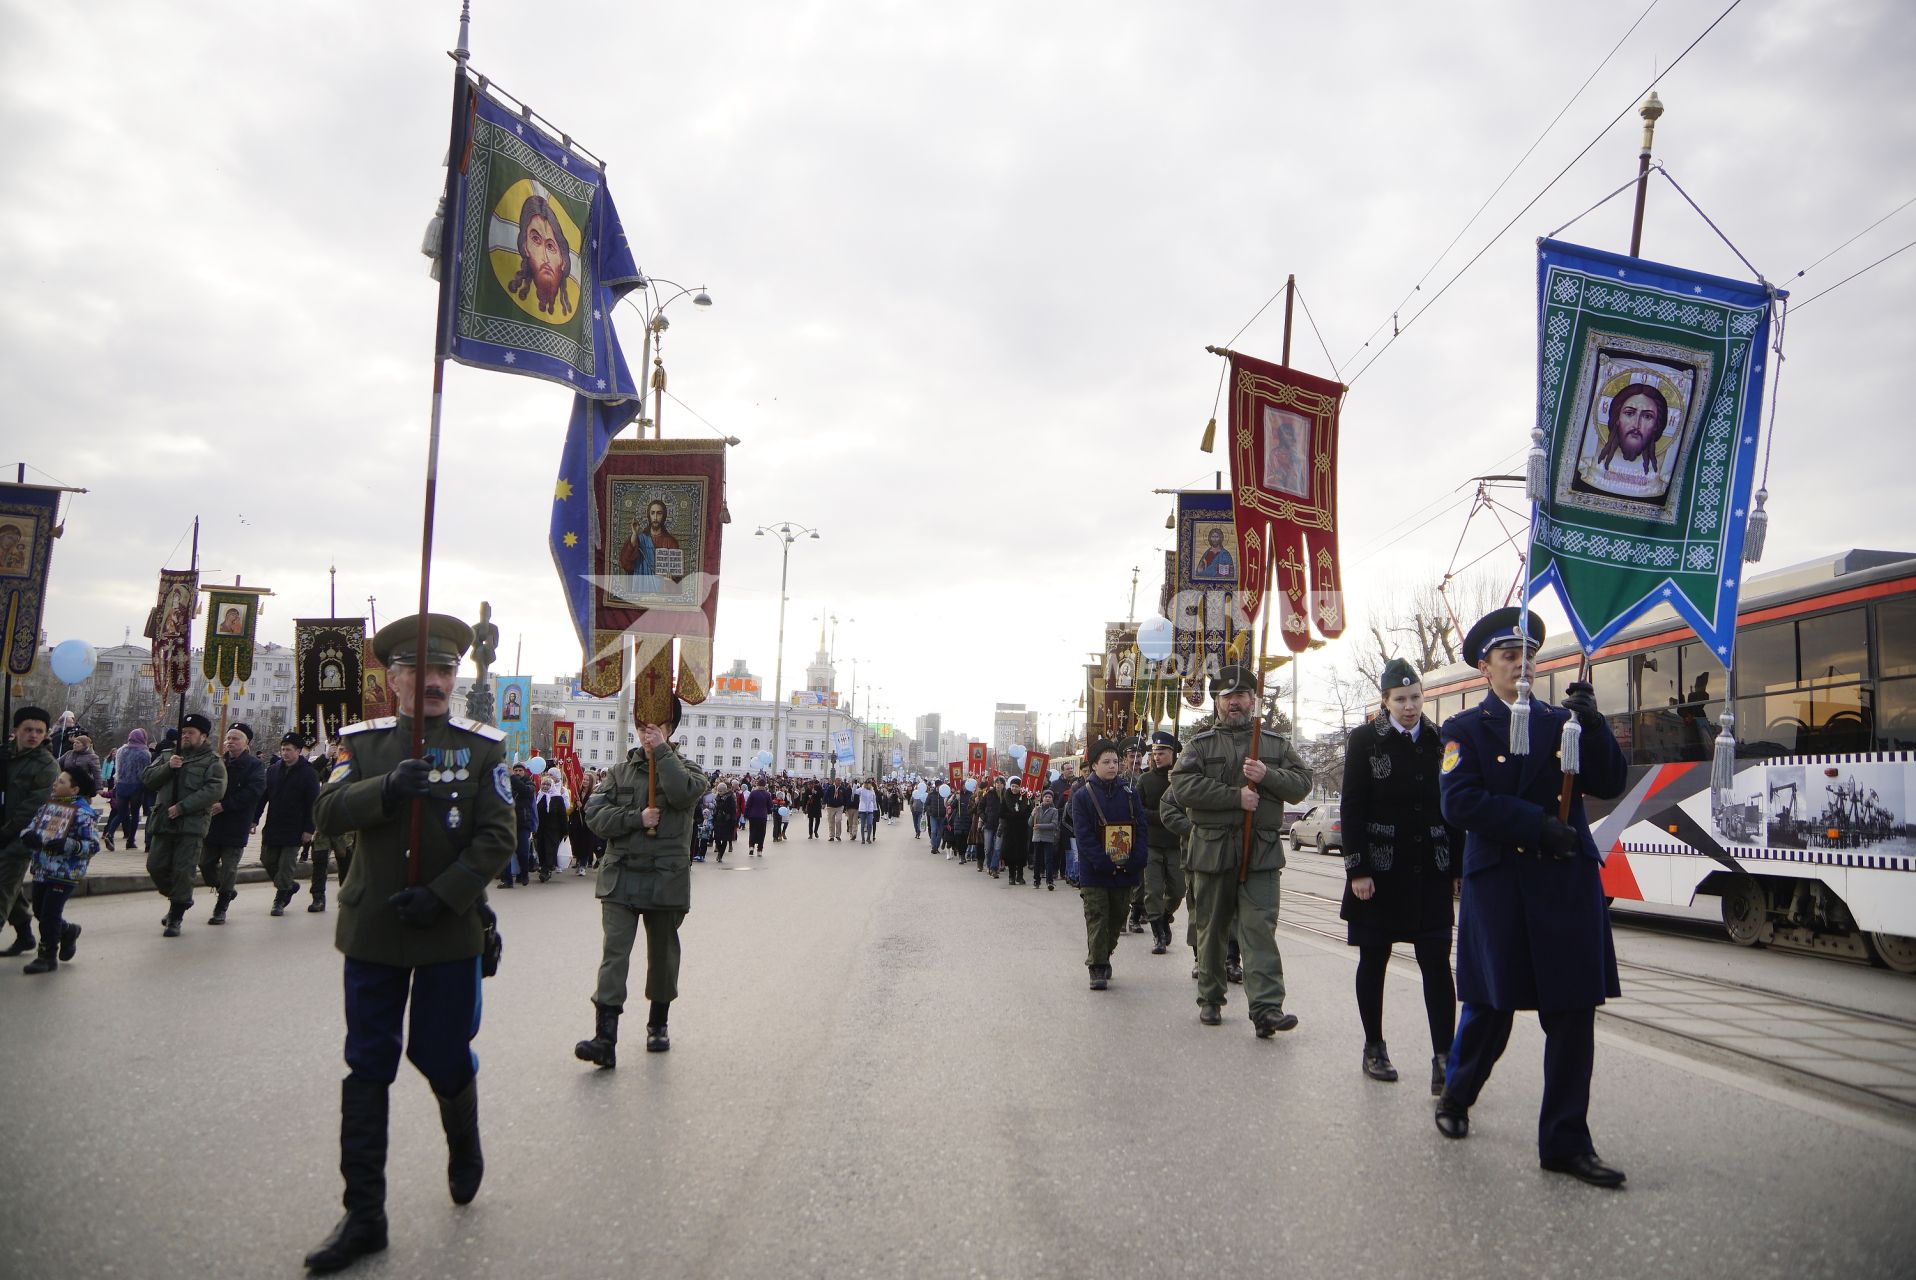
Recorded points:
1398,674
447,639
1233,680
1499,629
1163,739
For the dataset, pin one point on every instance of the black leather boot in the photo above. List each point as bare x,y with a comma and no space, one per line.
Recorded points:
43,960
1377,1063
602,1048
1160,937
22,943
465,1163
362,1162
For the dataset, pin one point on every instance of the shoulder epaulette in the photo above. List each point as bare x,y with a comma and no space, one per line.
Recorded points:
474,726
383,722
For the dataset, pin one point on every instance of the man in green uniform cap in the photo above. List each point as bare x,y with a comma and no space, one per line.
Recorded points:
412,917
186,783
1238,767
646,810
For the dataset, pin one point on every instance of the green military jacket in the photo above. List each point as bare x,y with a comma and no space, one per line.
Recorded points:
641,871
466,837
196,786
30,776
1206,781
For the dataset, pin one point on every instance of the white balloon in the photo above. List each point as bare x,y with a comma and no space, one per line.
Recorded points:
1154,638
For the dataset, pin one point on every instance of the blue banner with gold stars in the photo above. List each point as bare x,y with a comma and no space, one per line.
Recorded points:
534,258
593,425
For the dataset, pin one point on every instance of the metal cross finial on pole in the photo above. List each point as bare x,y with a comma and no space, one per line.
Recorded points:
787,533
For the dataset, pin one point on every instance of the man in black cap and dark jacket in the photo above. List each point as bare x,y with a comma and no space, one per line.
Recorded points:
1533,931
287,804
1164,873
232,818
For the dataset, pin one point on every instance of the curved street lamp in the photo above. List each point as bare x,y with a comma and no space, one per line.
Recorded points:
656,323
787,533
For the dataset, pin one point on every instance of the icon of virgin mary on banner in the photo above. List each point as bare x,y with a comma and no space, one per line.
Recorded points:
1284,497
170,627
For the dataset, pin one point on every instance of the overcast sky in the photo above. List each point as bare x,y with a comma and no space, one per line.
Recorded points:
965,260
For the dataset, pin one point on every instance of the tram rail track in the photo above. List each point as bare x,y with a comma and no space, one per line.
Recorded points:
1855,1053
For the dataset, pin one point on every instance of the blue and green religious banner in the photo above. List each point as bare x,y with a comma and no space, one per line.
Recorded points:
512,695
1650,382
28,521
232,623
536,256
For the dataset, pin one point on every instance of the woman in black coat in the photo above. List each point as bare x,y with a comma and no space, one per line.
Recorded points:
1401,863
724,821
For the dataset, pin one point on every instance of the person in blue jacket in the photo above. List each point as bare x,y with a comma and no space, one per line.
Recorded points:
1109,824
1533,931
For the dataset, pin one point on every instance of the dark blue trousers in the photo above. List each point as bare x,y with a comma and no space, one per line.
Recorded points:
1569,1054
444,1019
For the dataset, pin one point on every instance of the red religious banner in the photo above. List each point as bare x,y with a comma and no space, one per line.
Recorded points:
1284,496
170,627
376,697
1037,766
957,772
977,758
658,511
561,739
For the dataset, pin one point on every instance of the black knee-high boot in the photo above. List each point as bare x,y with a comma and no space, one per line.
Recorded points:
602,1048
465,1162
362,1162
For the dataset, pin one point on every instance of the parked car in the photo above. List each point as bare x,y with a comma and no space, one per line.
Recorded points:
1291,815
1321,826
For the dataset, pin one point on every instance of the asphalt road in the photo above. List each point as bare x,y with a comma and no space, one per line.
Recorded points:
882,1066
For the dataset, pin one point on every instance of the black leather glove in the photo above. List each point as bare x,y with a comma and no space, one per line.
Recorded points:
1580,698
1559,838
417,906
32,840
406,781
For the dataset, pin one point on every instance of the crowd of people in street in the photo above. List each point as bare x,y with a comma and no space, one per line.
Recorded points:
1432,817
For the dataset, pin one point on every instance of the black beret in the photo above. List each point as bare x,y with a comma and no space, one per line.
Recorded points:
1498,628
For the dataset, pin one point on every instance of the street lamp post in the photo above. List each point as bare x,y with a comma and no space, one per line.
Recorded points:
787,533
649,306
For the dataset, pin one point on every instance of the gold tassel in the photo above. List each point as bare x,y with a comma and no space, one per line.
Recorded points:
1210,436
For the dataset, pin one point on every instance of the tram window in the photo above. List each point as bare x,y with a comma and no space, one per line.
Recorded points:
1657,680
1896,637
1896,715
1611,678
1833,647
1766,658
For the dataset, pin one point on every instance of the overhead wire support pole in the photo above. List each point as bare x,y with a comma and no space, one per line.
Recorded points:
1651,111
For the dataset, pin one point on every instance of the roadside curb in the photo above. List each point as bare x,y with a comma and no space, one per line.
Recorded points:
135,882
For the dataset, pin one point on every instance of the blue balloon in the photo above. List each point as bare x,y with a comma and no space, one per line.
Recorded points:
971,784
763,760
784,811
73,661
944,791
1017,752
536,766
